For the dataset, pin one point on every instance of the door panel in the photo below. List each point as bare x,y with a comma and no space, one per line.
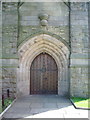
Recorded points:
44,75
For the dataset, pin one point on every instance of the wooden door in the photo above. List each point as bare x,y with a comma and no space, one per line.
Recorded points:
44,75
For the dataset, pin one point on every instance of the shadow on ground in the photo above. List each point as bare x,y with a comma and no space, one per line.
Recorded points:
39,106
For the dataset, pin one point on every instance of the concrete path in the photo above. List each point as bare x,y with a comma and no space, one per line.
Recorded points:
44,106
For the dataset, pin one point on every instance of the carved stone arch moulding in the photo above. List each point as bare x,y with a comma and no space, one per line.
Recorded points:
32,48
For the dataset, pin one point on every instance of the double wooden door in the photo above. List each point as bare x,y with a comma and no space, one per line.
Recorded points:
43,75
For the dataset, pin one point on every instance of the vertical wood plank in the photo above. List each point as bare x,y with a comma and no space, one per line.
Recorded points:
44,75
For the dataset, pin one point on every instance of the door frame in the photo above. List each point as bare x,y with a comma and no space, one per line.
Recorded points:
29,49
56,67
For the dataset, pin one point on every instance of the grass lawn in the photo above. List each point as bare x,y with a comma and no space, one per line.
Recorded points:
0,106
81,102
7,102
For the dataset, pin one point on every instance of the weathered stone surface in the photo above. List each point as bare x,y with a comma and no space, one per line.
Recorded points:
33,47
0,54
23,38
79,46
9,77
57,21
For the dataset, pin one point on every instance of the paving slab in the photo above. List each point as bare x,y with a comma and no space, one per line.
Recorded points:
50,105
44,106
36,105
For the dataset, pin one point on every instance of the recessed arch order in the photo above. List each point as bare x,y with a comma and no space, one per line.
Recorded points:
27,52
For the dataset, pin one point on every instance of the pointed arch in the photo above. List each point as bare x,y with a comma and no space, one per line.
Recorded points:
34,46
44,33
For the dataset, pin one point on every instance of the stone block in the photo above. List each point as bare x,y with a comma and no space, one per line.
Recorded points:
58,27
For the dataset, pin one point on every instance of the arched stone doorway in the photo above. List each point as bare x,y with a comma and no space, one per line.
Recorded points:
44,75
33,47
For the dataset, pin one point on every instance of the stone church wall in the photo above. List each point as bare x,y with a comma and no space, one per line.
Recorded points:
23,23
57,22
79,49
9,47
0,55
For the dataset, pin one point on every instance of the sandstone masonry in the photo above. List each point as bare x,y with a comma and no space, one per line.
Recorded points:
63,35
